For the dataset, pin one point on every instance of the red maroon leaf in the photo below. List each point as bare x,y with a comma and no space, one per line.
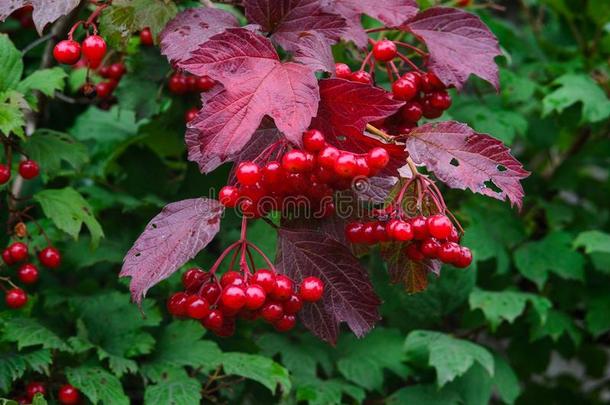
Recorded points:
261,140
460,44
390,12
191,28
348,294
170,239
45,11
464,159
412,275
313,50
375,189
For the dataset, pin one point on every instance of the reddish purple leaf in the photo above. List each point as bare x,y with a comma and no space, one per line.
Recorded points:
313,50
261,140
412,275
375,189
464,159
45,11
348,294
460,44
191,28
170,239
391,12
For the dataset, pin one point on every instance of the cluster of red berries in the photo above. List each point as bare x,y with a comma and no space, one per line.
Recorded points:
314,172
264,294
28,169
66,395
27,273
432,237
180,83
113,74
92,49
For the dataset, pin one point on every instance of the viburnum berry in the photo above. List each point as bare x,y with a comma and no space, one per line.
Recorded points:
193,278
7,258
190,114
68,395
404,89
449,252
50,257
28,169
176,304
464,259
292,305
283,288
402,231
346,165
361,76
227,329
430,82
439,226
177,84
420,227
116,71
104,89
233,297
295,161
27,273
429,247
378,158
411,112
273,173
33,388
214,320
285,323
5,174
196,307
265,278
18,251
415,77
228,196
255,296
205,83
211,292
428,111
231,278
15,298
94,49
328,157
67,52
384,50
311,289
248,173
146,37
272,311
313,140
343,71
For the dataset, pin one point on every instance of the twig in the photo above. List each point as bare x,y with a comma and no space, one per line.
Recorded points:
36,43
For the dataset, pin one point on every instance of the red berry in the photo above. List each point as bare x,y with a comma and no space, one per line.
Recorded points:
384,50
210,292
346,165
190,114
214,320
28,169
378,158
411,112
368,233
15,298
265,278
68,395
27,273
191,83
94,49
273,173
233,297
342,71
272,311
116,71
146,37
283,288
255,296
67,52
285,323
402,231
231,278
413,76
380,233
197,307
295,161
430,82
7,258
104,71
193,278
439,226
361,76
420,227
449,252
311,289
429,247
292,305
464,259
428,111
18,251
228,196
34,388
205,83
412,251
50,257
454,236
328,157
362,167
248,173
440,100
313,140
353,232
177,84
104,89
176,304
227,329
5,174
404,89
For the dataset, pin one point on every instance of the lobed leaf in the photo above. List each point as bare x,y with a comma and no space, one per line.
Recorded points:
46,81
97,384
45,11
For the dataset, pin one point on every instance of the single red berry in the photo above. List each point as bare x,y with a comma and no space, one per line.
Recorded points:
454,236
295,161
67,52
283,288
197,307
146,37
272,311
50,257
15,298
404,89
328,157
420,227
28,169
177,84
94,49
116,71
384,50
211,292
193,278
265,278
430,82
227,329
381,234
285,323
103,89
428,111
248,173
353,232
33,388
205,83
255,296
190,114
233,297
412,251
104,71
18,251
342,71
292,305
214,320
411,112
273,173
449,252
176,304
346,165
439,226
7,258
361,76
313,140
402,231
464,259
368,233
415,77
362,167
231,278
5,174
68,395
311,289
191,83
440,100
27,273
378,158
429,247
228,196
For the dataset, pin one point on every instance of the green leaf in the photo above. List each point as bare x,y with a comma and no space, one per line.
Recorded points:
28,332
257,368
104,126
175,391
593,241
326,392
98,385
557,324
474,387
69,210
502,124
424,395
14,365
50,148
12,119
576,88
554,253
449,356
505,381
45,80
139,95
507,305
597,319
301,357
11,65
599,11
39,399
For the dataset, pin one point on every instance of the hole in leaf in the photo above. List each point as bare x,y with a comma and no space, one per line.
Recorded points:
154,226
138,254
501,168
454,162
490,184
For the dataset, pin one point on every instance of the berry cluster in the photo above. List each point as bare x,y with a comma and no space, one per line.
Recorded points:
264,294
113,74
66,395
181,83
93,49
28,169
314,172
432,237
27,273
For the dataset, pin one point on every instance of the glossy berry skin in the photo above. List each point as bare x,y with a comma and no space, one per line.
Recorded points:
214,320
255,296
248,173
285,323
7,258
265,278
328,157
440,100
464,259
228,196
428,111
28,169
176,304
272,311
190,114
205,83
15,298
295,161
411,112
68,395
283,288
231,278
311,289
439,226
116,71
27,274
177,84
211,292
378,158
146,37
34,388
273,173
430,82
342,71
292,305
449,252
50,257
353,232
313,140
104,89
429,247
404,89
384,50
5,174
420,227
346,165
233,297
193,278
197,307
18,251
360,76
67,52
94,48
402,231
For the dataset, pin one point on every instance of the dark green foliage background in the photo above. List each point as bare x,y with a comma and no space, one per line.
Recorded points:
529,323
